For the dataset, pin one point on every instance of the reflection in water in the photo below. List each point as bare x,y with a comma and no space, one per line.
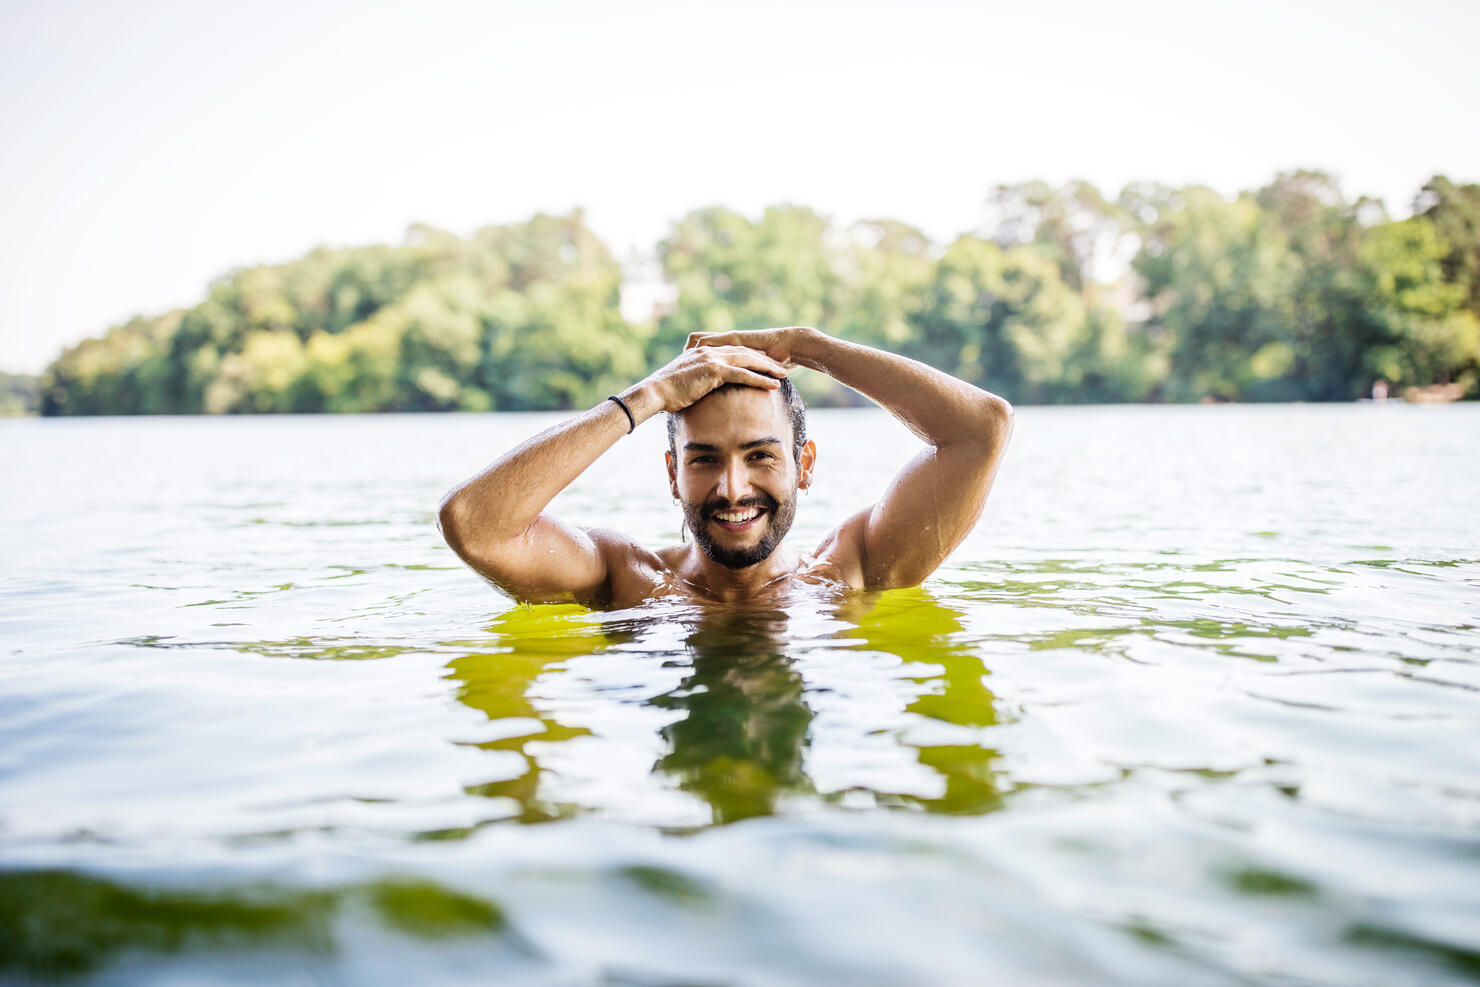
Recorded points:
1256,610
740,739
529,642
58,926
740,746
913,625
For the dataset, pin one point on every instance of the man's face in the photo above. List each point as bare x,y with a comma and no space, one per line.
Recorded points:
736,475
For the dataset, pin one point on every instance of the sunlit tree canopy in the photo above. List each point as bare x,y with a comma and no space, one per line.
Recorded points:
1287,292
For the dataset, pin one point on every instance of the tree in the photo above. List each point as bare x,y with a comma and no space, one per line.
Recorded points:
1004,318
1083,231
1433,336
1287,292
735,274
517,316
1218,281
883,270
1455,212
1333,322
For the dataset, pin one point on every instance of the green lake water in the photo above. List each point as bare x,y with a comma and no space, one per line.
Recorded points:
1198,702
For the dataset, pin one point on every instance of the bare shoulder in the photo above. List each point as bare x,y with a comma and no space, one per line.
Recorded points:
840,556
634,573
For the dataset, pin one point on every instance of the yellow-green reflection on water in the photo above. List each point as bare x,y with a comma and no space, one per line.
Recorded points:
527,642
739,742
916,627
739,731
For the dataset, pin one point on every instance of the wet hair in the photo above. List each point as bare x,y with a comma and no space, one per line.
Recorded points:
796,410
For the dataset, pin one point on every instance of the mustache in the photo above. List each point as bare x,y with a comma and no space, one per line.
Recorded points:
763,501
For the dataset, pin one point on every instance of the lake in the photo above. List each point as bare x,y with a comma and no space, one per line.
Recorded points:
1198,702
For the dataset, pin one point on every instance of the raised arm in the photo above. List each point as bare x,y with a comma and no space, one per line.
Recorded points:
934,502
495,522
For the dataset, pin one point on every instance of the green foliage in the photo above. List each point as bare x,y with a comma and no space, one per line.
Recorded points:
1294,293
1331,320
1005,318
1216,277
732,273
735,274
1455,212
520,316
884,269
984,301
1433,334
20,394
1075,224
1287,292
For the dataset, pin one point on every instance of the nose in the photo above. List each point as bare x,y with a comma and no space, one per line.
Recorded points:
734,482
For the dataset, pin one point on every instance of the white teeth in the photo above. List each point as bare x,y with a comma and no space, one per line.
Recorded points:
738,517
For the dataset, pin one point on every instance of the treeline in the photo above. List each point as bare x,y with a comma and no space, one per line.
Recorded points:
20,395
1288,292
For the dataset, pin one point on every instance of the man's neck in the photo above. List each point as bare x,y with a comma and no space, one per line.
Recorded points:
708,578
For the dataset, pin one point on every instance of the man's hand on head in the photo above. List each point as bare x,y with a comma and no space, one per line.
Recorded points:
781,344
700,369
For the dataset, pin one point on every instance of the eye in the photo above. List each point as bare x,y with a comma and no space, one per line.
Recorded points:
761,457
701,460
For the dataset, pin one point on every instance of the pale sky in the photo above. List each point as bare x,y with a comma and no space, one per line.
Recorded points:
148,147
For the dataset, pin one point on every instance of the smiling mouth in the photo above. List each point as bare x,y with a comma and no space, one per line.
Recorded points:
737,518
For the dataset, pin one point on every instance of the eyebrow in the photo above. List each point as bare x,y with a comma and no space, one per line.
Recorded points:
753,444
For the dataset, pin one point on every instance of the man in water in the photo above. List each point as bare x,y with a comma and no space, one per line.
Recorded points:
737,456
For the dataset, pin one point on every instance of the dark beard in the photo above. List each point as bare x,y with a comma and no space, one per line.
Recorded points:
779,516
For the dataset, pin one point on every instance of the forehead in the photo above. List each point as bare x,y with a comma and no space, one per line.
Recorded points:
732,417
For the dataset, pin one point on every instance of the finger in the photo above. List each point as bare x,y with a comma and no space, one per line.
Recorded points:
758,360
742,355
711,339
740,375
769,341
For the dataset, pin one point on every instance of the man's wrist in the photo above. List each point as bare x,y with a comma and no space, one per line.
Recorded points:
808,346
643,400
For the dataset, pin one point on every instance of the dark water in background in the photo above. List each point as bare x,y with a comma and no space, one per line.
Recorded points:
1198,702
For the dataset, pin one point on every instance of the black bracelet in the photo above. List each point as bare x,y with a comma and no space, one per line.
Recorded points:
623,405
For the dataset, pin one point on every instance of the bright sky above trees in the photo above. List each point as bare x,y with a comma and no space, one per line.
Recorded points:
147,148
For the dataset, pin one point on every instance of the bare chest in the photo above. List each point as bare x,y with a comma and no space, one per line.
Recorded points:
658,578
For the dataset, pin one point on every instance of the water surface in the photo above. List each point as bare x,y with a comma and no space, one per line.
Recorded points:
1198,702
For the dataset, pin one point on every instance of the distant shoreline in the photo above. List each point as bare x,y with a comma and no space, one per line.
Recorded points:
1288,292
1397,401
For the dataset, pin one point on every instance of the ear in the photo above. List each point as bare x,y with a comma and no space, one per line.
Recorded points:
807,461
672,473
